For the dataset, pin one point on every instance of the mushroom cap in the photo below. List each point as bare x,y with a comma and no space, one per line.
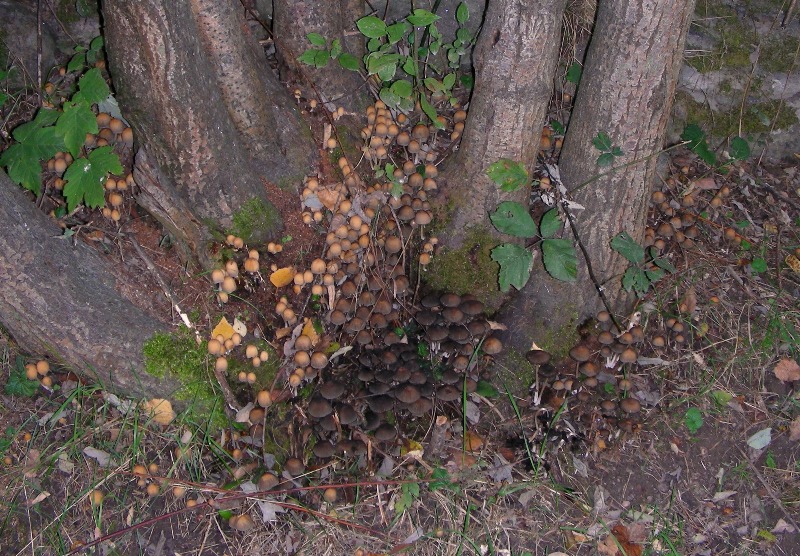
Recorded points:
426,318
420,407
606,338
430,301
492,345
630,405
453,314
407,393
537,357
347,415
324,449
629,355
472,307
608,406
332,389
458,334
418,377
449,376
328,424
294,467
448,393
589,368
477,327
380,404
268,481
450,300
379,387
436,333
580,353
385,432
319,407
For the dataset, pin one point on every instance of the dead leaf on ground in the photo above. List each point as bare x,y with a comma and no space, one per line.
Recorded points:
472,442
787,370
282,277
688,304
794,429
103,458
31,463
707,183
161,410
310,331
223,329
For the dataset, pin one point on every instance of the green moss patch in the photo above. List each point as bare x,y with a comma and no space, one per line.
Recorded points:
255,222
469,269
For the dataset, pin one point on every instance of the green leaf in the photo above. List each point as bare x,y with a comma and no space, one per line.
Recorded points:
336,48
348,61
462,13
654,275
374,44
46,142
97,43
371,27
19,385
468,81
512,218
410,67
560,260
381,63
663,263
635,280
315,57
402,88
509,175
389,97
602,142
759,265
558,127
23,165
550,223
3,98
74,123
448,81
486,389
515,263
697,143
317,40
92,88
574,73
463,34
85,177
605,159
430,111
693,419
740,149
397,31
422,18
721,397
77,62
432,84
625,245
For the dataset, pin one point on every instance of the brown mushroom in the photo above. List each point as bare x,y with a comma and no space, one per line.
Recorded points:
319,407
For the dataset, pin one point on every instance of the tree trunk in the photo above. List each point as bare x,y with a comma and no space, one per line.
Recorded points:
514,60
626,91
194,90
59,300
333,19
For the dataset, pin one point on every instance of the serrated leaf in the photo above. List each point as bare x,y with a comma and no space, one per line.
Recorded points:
512,218
635,280
92,88
515,263
74,123
85,177
317,40
19,385
462,13
430,111
46,142
605,159
740,149
509,175
693,419
664,264
654,275
550,223
371,27
626,246
397,31
422,18
78,61
348,61
402,88
560,260
602,142
23,166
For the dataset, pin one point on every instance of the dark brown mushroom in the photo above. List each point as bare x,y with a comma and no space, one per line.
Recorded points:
332,389
537,357
589,368
407,394
580,353
324,449
380,404
385,432
448,393
426,318
319,407
630,405
294,467
450,300
420,407
492,346
472,307
628,356
347,415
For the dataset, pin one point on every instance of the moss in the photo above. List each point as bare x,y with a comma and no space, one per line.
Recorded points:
734,41
255,221
523,374
469,269
67,11
757,118
775,54
178,356
558,342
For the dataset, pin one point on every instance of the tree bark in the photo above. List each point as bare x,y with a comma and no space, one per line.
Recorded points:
514,60
333,19
59,300
626,91
168,60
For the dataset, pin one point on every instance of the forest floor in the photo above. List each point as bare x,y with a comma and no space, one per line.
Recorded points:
542,463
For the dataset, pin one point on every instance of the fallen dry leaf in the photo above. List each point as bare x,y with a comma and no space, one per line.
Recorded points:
787,370
794,429
223,329
329,198
793,262
608,546
706,183
160,410
689,302
310,331
472,442
282,277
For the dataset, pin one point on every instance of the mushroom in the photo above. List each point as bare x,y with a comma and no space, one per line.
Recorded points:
492,346
448,393
324,449
319,407
420,407
385,432
630,405
580,353
537,357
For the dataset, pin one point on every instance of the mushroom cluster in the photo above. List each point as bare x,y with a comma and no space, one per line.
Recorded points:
227,278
